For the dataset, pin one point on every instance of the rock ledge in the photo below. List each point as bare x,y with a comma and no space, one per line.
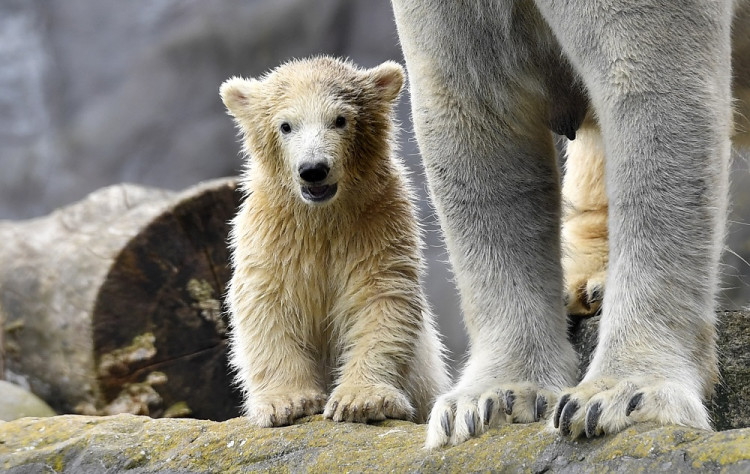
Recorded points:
73,443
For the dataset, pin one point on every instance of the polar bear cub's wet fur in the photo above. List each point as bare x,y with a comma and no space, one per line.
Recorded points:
326,251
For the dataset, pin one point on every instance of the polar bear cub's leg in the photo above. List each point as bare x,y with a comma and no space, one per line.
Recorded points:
374,356
492,173
667,139
584,231
282,384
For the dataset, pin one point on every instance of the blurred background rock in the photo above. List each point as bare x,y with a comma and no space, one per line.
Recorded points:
100,92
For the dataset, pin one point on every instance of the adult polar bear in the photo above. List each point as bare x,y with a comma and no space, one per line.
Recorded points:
488,80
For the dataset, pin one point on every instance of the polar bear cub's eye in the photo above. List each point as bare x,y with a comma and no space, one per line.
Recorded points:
340,121
285,128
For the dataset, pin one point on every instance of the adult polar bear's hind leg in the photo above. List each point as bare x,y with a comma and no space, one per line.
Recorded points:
492,172
667,140
672,392
585,246
659,80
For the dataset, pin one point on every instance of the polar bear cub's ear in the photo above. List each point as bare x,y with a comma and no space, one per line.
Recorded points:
388,78
239,94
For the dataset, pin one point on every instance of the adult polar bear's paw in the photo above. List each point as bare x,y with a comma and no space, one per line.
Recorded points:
463,414
282,409
363,403
606,405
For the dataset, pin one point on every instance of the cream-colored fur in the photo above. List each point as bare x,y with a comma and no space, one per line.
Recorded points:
327,294
584,231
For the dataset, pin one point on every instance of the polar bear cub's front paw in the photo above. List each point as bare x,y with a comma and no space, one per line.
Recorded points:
363,403
584,293
607,405
585,259
281,409
462,414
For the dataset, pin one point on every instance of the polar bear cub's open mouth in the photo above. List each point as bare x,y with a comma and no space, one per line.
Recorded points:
319,194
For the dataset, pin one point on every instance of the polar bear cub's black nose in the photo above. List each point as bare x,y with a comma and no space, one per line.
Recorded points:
313,172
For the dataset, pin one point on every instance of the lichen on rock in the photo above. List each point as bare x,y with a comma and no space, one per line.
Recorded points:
119,361
210,307
73,443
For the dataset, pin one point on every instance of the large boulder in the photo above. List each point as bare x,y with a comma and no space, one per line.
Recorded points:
17,402
139,444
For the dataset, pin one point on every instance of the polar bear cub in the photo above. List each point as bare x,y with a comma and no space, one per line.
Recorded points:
326,251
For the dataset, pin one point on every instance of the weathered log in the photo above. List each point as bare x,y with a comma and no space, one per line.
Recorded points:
113,304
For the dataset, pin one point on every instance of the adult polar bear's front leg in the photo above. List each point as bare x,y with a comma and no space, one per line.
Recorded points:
492,173
658,74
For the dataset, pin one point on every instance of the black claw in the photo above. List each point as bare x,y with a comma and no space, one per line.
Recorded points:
489,405
634,402
567,417
470,424
445,422
559,408
597,294
592,419
583,297
510,398
540,407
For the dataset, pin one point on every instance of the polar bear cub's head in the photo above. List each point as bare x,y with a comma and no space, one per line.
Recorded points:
317,126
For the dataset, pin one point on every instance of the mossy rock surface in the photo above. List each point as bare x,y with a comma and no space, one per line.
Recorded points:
73,443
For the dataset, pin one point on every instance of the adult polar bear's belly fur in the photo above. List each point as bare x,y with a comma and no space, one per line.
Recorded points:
649,85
